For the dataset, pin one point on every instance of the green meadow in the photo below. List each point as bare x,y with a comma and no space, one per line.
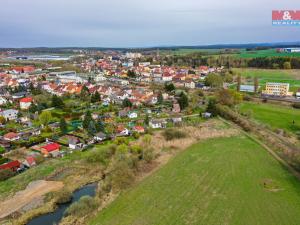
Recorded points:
218,181
276,116
266,53
268,75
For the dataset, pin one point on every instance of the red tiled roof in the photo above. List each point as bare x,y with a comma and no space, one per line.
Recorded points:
51,147
30,160
139,128
26,99
10,135
10,165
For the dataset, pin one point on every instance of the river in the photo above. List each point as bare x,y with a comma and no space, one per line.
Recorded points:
56,216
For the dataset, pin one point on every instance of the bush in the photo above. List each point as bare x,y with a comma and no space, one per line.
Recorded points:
99,156
148,154
3,160
5,174
247,98
136,149
121,175
136,135
121,140
171,134
81,208
63,196
296,105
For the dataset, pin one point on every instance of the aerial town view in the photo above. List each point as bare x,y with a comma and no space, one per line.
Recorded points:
149,112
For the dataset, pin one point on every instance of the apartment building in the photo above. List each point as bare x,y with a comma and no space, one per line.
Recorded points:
277,89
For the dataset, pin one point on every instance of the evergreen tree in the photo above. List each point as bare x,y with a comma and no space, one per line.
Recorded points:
126,103
84,92
95,97
92,128
100,127
57,102
160,98
169,87
87,119
33,108
146,121
63,125
183,101
131,73
211,107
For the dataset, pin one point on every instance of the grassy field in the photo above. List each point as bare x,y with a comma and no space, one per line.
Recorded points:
267,75
219,181
276,116
266,53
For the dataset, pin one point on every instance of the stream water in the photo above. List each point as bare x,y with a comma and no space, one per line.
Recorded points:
56,216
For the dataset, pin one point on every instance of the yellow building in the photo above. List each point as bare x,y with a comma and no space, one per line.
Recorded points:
277,89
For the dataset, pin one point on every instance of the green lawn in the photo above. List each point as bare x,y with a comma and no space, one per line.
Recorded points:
219,181
276,116
267,75
266,53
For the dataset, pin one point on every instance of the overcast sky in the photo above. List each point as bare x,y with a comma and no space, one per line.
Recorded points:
141,23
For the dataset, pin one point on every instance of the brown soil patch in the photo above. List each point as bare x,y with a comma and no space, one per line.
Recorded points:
33,192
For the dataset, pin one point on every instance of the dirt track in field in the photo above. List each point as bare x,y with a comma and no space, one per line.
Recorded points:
33,192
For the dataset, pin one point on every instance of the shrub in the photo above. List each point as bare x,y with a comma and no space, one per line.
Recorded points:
296,105
136,149
99,155
3,160
247,98
171,134
148,154
82,207
5,174
136,135
121,175
121,140
63,196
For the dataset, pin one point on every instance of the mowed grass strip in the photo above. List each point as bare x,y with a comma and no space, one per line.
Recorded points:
218,181
276,116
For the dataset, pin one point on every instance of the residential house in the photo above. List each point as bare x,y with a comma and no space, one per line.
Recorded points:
10,114
29,161
177,120
190,84
122,131
19,95
25,103
13,165
100,136
3,101
138,129
11,136
132,115
123,113
50,149
74,143
176,108
157,123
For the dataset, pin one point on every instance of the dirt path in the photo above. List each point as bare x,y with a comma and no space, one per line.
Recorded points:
34,191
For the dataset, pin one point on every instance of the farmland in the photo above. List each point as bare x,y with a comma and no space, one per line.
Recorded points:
217,181
266,53
276,116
